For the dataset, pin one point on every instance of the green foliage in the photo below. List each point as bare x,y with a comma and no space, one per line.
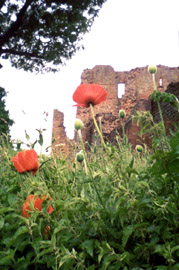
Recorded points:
38,35
164,97
120,214
5,121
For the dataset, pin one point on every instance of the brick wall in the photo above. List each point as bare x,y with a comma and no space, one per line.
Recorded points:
62,144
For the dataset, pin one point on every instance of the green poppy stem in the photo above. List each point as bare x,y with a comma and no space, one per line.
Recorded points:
84,151
123,132
87,167
96,126
81,141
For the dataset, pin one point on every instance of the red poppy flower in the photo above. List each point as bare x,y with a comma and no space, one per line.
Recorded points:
87,94
26,160
37,205
50,208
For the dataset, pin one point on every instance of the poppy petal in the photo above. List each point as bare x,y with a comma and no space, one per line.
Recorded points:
37,205
26,160
26,205
89,93
50,209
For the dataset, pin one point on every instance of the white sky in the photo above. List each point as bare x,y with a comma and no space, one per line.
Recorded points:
127,34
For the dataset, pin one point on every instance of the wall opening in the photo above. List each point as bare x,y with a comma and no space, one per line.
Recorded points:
121,89
160,82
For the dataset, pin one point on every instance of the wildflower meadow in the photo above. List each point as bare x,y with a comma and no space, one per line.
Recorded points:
111,207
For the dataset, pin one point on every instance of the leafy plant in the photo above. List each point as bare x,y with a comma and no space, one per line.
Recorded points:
135,227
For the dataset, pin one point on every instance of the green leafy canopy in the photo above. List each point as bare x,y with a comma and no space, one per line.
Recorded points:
38,35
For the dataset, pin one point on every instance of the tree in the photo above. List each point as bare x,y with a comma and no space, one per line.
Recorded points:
5,121
38,35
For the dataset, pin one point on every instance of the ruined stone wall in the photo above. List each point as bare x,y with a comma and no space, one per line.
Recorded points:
138,88
61,144
139,84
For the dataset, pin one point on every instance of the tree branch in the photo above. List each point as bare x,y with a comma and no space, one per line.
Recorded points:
20,53
15,25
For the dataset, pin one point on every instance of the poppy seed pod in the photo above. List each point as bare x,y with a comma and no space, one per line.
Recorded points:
80,157
152,69
78,124
122,114
139,148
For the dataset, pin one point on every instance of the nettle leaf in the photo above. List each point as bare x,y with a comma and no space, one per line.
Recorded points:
142,184
175,248
67,258
40,141
45,251
92,267
174,141
173,166
6,209
138,268
22,263
107,260
20,231
88,246
7,260
1,223
12,199
27,136
127,231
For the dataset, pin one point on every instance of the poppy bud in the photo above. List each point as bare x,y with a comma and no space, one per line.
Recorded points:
80,157
152,69
78,124
122,114
139,148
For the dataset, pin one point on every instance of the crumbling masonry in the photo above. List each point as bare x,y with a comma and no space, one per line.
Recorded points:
138,88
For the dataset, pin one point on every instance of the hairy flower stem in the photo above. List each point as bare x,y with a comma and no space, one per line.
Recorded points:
96,125
87,167
84,151
123,132
158,104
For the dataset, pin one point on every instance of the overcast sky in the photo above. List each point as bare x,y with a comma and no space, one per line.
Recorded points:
127,34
